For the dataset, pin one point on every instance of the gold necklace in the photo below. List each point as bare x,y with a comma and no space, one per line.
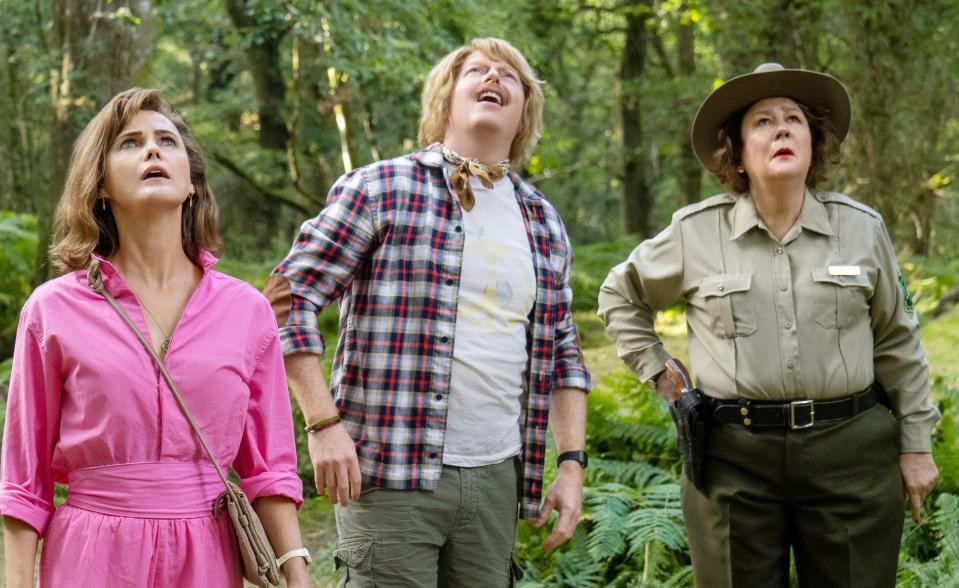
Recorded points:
165,344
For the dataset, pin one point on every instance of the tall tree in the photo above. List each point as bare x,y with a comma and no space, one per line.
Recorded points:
262,26
637,202
96,50
905,95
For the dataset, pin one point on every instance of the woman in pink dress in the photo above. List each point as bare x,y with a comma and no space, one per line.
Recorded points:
88,407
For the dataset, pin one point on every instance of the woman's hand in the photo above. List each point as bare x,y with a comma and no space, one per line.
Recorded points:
919,475
670,383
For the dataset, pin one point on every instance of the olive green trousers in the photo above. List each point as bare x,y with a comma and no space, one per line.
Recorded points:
460,534
831,493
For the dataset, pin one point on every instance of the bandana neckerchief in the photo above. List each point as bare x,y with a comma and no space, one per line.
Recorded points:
464,167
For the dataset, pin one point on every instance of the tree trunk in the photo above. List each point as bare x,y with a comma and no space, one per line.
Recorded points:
263,56
19,137
637,202
96,49
690,173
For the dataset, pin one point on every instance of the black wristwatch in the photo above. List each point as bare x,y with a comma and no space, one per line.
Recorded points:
578,456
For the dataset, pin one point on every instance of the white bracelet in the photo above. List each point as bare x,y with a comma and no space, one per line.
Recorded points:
301,552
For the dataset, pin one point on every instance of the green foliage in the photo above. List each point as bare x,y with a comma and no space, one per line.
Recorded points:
254,273
631,532
18,243
919,569
591,265
946,447
928,279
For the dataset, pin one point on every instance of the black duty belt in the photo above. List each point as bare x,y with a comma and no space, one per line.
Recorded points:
799,414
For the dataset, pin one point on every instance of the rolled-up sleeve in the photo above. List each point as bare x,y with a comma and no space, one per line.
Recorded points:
899,358
648,281
31,430
266,459
571,369
322,263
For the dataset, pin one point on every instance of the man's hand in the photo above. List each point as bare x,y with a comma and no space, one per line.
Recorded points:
565,496
919,475
335,465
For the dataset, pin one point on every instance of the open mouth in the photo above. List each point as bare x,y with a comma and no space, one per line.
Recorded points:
783,152
490,96
153,172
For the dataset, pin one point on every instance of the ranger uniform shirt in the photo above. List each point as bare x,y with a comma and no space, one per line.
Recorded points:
818,315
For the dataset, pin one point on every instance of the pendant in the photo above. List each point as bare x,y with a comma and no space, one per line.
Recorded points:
165,345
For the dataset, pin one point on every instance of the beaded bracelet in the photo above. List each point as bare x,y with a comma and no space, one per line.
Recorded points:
324,424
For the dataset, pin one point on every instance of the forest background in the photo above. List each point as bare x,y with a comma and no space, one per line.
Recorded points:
286,96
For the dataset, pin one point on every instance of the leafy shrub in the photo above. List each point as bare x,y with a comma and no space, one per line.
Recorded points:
18,249
632,531
591,266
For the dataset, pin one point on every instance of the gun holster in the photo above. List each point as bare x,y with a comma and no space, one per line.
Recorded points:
691,415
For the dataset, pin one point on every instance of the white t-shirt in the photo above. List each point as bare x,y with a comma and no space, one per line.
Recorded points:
497,291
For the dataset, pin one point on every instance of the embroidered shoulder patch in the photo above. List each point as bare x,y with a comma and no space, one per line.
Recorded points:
910,305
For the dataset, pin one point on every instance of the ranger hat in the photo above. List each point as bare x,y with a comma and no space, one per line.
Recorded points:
812,88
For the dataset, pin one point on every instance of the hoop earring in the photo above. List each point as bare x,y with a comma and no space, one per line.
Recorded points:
191,200
103,204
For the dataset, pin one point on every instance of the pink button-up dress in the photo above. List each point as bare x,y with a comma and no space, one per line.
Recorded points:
87,407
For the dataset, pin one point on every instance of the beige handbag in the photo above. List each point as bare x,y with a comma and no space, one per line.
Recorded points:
259,560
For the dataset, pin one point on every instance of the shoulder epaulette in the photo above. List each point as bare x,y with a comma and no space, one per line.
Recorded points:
711,202
837,198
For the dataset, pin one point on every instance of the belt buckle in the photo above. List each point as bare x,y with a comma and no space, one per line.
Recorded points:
792,414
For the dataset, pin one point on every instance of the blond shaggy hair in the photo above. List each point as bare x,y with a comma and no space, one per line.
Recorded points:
439,88
82,226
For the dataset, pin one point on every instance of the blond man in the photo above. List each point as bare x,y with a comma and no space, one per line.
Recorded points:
456,346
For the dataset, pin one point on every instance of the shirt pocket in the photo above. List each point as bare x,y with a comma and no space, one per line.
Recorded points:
839,301
729,305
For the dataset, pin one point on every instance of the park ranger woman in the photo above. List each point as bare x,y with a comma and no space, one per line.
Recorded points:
802,336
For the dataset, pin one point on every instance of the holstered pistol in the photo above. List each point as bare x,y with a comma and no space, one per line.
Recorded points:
690,413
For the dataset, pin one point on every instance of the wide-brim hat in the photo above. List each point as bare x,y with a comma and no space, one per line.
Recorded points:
812,88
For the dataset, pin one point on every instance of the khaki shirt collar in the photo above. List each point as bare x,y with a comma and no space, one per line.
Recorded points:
812,217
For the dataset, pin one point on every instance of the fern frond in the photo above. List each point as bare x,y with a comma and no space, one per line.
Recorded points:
946,522
575,567
609,506
664,525
636,473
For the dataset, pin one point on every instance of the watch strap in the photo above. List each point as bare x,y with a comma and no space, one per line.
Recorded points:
578,456
301,552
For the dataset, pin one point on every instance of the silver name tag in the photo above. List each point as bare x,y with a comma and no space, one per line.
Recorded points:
844,270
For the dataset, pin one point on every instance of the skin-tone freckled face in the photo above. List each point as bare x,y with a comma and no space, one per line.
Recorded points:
488,97
147,165
777,145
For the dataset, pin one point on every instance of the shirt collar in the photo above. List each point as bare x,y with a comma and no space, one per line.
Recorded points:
813,216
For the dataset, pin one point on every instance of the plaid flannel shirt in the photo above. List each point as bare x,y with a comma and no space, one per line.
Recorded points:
390,244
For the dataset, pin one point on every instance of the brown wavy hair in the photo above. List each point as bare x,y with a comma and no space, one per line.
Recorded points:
81,226
826,150
442,78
